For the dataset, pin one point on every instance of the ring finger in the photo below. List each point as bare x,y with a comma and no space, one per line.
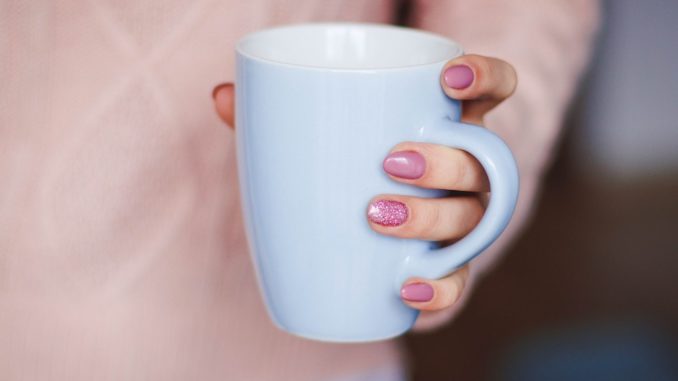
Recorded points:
433,219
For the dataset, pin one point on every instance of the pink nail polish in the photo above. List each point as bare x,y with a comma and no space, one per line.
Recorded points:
417,292
387,212
405,164
458,77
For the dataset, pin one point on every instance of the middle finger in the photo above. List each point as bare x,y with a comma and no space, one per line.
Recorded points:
435,166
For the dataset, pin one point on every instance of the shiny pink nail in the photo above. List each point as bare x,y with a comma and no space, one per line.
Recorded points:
405,164
458,77
417,292
387,212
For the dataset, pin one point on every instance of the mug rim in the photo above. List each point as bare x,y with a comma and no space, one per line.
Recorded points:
243,51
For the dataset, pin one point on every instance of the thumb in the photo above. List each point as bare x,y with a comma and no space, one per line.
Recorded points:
224,102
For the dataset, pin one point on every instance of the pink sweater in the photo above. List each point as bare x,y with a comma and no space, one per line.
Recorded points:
122,254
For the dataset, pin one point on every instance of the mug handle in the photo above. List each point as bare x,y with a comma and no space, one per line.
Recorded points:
502,171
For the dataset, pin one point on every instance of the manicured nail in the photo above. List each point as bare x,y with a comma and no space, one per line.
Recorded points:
219,87
417,292
405,164
458,77
387,212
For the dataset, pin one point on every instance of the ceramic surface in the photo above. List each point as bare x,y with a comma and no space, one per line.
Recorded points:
319,106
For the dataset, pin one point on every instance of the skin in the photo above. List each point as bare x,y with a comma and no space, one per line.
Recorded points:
444,219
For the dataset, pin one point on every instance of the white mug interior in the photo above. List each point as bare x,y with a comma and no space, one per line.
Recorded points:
348,46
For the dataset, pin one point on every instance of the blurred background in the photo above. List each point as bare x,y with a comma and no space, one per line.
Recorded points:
590,291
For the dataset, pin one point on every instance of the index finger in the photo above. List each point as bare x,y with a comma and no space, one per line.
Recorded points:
481,82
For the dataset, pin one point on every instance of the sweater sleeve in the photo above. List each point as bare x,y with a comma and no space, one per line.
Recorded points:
549,44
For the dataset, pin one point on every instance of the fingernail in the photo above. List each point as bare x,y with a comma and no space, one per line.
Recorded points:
458,77
405,164
417,292
387,212
217,88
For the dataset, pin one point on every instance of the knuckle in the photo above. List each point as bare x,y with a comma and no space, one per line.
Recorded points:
456,287
509,79
484,69
505,79
449,294
456,173
495,77
471,213
477,211
427,220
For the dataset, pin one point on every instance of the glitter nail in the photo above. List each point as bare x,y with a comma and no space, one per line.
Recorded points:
387,212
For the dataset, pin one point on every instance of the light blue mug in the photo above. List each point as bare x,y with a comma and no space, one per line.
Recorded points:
318,107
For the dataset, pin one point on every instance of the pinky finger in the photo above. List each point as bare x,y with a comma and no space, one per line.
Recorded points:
434,295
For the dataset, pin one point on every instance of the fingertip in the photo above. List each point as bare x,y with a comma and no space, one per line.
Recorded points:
223,96
434,295
417,291
406,164
384,212
476,77
458,77
218,88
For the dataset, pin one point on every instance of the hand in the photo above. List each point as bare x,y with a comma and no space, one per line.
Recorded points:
481,83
